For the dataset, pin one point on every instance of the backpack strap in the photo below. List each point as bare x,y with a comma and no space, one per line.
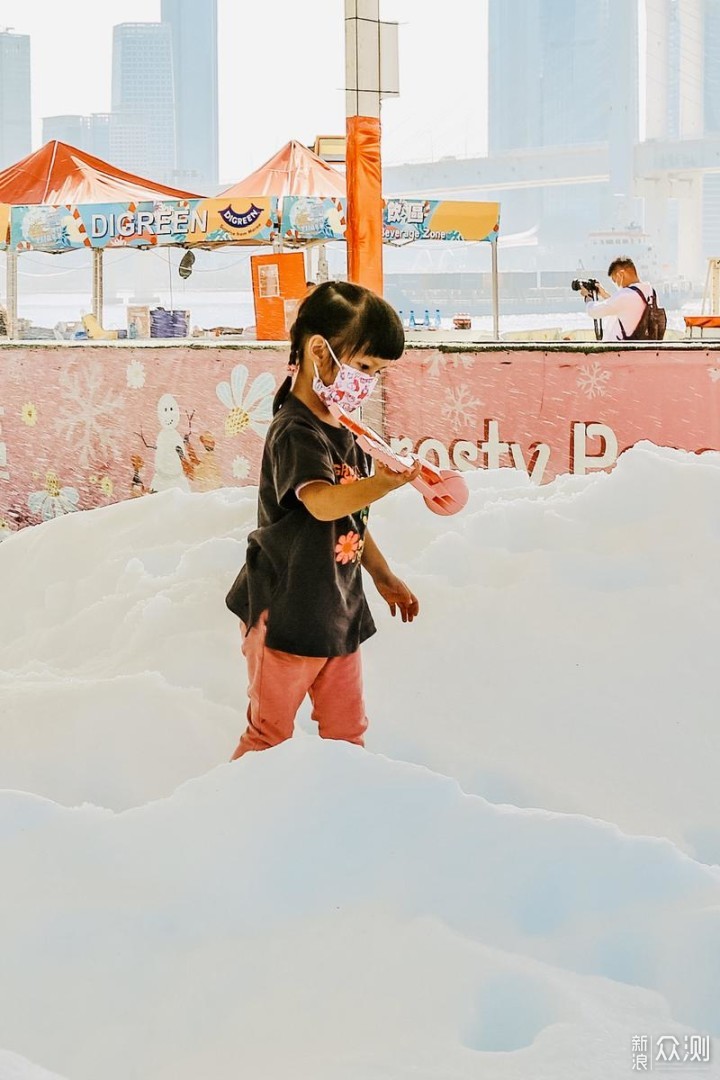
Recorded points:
644,299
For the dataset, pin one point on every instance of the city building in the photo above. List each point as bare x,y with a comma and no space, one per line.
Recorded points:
563,76
142,124
15,117
89,133
194,28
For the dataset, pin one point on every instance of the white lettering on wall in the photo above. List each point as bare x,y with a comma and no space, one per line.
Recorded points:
402,446
539,457
494,448
433,448
465,455
581,459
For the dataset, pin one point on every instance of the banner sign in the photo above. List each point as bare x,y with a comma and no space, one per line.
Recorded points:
311,218
142,224
407,220
242,220
4,225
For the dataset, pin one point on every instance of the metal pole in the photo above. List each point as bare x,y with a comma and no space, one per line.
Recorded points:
12,294
97,284
495,291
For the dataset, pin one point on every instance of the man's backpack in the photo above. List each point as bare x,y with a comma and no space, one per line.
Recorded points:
652,321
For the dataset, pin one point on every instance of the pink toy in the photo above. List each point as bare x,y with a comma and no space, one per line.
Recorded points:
444,490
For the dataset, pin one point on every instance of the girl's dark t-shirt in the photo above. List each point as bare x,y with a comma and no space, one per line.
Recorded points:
304,572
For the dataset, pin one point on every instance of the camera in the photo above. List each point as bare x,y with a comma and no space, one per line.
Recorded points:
592,285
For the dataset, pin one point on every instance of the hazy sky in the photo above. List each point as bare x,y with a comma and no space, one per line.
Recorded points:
281,71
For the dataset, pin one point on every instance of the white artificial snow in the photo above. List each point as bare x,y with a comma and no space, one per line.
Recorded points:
512,881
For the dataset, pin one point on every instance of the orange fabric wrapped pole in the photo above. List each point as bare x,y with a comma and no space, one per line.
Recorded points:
364,202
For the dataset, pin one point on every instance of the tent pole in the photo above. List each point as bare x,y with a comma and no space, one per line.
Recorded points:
12,294
323,273
495,291
97,284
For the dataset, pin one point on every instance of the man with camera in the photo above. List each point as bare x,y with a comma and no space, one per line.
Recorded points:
628,310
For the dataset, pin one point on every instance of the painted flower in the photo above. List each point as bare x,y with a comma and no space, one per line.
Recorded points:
347,547
247,410
135,374
53,501
28,414
106,486
240,468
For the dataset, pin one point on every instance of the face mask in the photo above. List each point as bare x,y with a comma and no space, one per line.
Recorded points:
348,389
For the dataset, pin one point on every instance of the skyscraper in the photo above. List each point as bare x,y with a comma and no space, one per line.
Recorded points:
550,72
90,133
15,120
195,66
142,128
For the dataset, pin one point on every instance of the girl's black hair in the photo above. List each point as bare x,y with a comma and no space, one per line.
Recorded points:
353,319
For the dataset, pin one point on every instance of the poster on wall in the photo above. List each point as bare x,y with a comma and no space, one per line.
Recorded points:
143,224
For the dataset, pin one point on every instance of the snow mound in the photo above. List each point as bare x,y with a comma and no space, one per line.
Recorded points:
515,880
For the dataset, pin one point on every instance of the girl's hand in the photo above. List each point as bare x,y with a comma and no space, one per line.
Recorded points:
391,479
398,596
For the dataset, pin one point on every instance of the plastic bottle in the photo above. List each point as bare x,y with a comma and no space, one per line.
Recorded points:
411,322
437,321
426,319
401,314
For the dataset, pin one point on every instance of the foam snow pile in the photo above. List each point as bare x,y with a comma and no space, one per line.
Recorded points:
516,881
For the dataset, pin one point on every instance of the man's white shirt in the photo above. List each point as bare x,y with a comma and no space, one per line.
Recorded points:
626,307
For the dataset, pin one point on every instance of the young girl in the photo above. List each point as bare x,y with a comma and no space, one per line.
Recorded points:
299,596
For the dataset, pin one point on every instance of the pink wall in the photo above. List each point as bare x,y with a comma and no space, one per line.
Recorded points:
552,411
73,417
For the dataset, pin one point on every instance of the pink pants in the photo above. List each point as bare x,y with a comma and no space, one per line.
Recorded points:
278,683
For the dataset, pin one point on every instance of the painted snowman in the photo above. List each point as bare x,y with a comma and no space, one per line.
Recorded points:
169,449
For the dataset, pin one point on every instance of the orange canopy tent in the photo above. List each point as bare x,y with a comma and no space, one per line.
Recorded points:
59,174
294,170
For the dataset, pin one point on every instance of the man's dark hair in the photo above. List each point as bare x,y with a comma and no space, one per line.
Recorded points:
621,264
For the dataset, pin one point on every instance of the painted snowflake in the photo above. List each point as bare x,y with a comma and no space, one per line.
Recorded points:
88,423
135,374
460,407
240,468
593,380
441,360
714,373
